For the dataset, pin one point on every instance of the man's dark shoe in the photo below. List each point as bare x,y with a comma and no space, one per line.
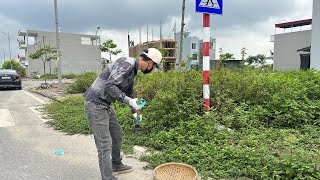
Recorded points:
121,168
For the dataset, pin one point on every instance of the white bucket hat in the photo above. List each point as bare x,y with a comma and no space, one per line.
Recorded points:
154,54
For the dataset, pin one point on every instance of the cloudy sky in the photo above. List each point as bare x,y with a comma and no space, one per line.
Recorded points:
245,23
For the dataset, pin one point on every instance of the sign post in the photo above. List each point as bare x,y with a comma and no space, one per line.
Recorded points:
207,7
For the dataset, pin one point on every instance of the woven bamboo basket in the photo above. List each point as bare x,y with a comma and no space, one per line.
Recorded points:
175,171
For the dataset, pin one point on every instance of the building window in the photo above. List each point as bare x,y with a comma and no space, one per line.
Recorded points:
31,40
194,56
86,41
171,53
194,45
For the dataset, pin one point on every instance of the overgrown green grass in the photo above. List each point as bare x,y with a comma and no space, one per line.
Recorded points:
83,82
55,76
69,116
273,120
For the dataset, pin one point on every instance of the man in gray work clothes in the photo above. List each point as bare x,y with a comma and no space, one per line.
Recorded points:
115,83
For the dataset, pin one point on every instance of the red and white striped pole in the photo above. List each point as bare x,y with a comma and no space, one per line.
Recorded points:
206,61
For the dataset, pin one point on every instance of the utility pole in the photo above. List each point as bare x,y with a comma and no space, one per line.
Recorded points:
152,34
128,42
140,35
8,35
160,34
181,32
175,30
147,33
160,30
139,40
97,34
10,50
58,45
4,55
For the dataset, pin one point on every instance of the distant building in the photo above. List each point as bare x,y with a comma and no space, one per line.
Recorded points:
79,52
192,49
294,36
315,42
167,44
228,64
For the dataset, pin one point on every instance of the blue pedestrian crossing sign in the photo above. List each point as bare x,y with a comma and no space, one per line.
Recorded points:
209,6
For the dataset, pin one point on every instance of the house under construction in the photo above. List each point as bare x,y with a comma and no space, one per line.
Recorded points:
167,44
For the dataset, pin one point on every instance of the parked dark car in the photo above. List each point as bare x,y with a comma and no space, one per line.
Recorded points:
10,79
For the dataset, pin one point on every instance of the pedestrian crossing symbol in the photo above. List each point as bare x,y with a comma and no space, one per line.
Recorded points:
209,6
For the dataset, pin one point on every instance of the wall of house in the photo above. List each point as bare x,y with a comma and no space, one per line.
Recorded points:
286,45
77,55
232,64
315,47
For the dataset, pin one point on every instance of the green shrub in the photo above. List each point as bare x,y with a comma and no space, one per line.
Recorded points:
49,76
287,99
22,71
55,76
70,76
35,75
172,97
82,83
262,125
16,66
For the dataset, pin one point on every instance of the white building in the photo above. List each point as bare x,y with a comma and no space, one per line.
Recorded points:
192,48
297,46
79,52
315,42
288,39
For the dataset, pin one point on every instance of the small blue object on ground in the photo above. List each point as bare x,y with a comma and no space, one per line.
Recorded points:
59,152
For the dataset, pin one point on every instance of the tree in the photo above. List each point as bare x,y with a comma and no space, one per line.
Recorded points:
16,66
259,59
110,47
7,65
220,52
251,59
46,54
224,57
243,52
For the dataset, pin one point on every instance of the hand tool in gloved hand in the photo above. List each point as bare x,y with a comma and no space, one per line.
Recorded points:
138,116
134,104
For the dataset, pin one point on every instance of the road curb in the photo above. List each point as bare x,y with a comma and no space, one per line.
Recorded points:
46,94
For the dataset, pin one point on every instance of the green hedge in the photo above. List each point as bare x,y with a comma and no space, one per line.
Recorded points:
55,76
271,122
82,83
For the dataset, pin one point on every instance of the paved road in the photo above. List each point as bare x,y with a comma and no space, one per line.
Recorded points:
28,145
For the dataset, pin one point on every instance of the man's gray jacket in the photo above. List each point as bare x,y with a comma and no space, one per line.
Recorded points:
114,83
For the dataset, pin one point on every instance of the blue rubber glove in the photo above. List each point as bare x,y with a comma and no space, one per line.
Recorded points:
137,119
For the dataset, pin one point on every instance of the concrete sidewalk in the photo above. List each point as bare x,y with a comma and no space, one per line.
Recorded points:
79,149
